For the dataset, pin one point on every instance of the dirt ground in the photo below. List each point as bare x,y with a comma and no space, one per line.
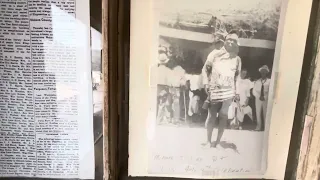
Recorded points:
177,150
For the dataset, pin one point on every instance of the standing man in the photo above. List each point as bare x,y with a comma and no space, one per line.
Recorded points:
226,65
261,91
244,86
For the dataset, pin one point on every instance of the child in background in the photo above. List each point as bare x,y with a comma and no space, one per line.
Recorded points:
165,112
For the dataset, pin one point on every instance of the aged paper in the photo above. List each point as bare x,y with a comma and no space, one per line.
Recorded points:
170,131
46,91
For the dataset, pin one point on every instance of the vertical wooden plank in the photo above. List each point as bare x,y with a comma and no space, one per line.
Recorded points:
105,82
111,93
123,85
121,88
304,93
309,160
309,157
306,135
110,77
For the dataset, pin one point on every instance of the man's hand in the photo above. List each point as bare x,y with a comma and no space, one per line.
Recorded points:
246,103
206,88
237,97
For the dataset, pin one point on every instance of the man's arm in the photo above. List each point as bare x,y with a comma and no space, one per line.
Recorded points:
254,90
266,93
250,86
237,76
248,94
205,78
204,74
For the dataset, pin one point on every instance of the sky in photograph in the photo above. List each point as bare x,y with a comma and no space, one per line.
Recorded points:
214,5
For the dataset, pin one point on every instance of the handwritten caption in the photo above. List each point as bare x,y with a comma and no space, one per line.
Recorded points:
204,166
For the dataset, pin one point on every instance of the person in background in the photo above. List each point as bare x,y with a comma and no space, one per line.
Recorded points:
260,92
244,86
164,109
171,76
226,66
241,107
163,113
162,70
194,87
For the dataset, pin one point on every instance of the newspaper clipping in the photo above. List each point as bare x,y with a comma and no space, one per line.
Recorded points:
214,77
45,89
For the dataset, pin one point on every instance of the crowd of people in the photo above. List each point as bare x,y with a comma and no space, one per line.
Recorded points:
226,90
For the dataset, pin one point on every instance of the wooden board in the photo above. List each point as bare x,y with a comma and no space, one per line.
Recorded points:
299,153
309,157
105,72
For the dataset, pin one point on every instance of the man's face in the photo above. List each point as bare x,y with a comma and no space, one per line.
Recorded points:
243,74
231,45
231,42
264,73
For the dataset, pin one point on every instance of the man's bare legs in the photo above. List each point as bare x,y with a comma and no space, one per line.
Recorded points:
207,119
222,109
211,120
223,120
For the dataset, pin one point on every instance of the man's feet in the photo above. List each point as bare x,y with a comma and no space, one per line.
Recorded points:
214,144
206,144
218,146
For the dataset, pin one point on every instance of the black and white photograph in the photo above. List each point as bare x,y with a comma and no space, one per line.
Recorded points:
214,77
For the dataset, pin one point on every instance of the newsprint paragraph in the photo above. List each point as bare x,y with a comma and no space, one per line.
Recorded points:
45,89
